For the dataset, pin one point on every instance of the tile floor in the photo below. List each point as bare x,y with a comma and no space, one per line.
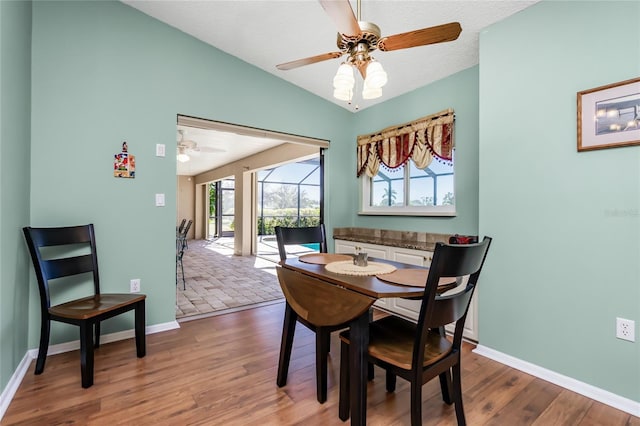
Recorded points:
219,282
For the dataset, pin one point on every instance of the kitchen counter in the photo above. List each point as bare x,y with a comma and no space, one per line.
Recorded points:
403,239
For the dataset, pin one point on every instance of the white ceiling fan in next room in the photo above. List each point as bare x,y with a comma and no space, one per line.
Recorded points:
188,147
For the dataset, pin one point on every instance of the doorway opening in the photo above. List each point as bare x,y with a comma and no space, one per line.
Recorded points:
235,202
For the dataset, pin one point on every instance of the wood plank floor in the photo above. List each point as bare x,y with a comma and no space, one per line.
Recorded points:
222,371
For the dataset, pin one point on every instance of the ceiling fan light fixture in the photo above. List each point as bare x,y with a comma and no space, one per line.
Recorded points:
343,94
182,157
376,76
344,79
371,92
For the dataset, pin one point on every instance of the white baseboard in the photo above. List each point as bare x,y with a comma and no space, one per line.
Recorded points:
31,354
597,394
14,382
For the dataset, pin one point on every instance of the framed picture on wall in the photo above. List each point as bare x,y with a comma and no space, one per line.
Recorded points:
609,116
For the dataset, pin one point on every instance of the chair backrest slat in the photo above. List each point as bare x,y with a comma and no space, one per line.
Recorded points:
61,265
65,267
305,235
185,231
450,309
47,237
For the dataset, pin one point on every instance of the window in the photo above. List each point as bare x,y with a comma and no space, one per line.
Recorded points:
408,169
408,190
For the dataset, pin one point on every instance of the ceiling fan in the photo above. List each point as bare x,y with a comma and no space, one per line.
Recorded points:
188,147
358,39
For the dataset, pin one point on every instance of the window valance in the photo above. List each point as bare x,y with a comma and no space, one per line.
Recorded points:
420,140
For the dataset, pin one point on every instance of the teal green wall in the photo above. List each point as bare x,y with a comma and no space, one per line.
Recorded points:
15,86
565,261
104,73
460,92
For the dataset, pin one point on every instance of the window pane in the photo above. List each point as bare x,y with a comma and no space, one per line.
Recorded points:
445,190
387,188
227,223
432,186
421,190
280,196
227,201
309,196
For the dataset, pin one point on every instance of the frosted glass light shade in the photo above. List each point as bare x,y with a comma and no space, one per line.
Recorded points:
344,78
183,158
376,76
343,94
370,92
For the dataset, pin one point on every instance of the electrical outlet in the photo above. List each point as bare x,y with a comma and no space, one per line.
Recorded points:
135,285
626,329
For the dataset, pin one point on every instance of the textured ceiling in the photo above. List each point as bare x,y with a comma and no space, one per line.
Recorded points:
267,33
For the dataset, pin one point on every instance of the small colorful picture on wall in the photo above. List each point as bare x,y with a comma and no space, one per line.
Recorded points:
609,116
124,163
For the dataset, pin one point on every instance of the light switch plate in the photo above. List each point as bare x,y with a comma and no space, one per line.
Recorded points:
159,200
160,152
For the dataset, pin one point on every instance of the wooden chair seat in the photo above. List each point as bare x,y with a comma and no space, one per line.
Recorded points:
94,306
391,339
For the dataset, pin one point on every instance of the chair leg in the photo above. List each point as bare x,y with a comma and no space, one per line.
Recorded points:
322,346
86,353
344,402
390,381
457,395
445,387
416,402
139,319
184,283
288,330
445,378
45,330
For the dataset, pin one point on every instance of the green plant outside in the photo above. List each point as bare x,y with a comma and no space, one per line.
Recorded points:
287,217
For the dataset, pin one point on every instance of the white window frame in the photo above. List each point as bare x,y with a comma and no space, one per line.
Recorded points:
406,210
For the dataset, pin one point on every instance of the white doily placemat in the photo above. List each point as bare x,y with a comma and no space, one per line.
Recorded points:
346,267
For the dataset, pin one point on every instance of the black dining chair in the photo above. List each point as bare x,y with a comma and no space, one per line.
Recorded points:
61,256
306,235
420,352
180,246
181,226
183,235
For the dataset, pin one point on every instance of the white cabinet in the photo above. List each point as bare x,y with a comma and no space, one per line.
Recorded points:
351,247
411,257
404,307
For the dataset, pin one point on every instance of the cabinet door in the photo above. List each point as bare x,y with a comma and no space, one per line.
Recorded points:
345,247
404,307
411,257
349,247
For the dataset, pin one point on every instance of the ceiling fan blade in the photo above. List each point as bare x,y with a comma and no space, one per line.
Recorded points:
342,15
431,35
209,149
308,61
